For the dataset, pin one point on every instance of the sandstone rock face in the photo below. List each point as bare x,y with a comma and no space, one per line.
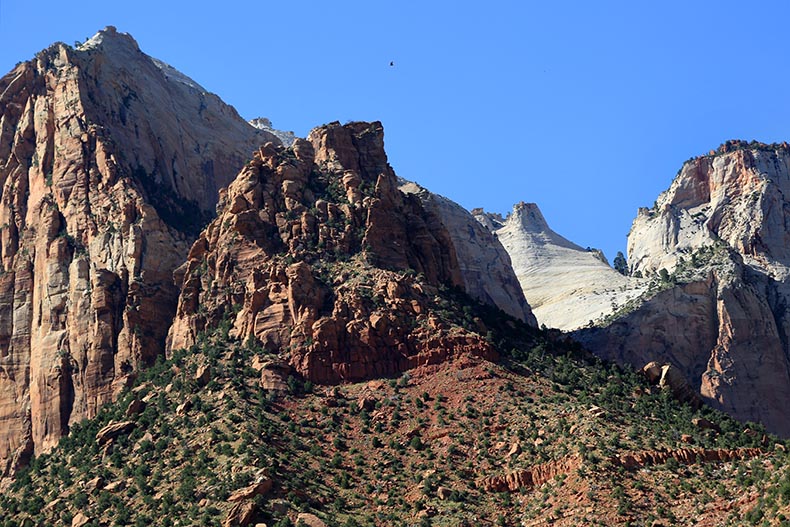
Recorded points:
668,377
686,456
539,474
113,430
721,234
331,267
566,286
240,515
530,478
262,123
108,162
485,265
249,492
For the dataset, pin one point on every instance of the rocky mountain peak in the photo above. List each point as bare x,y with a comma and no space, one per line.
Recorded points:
111,41
566,286
334,271
715,245
265,124
109,166
732,196
529,217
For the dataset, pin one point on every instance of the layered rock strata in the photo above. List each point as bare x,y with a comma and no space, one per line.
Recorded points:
566,286
485,265
538,475
109,161
716,242
318,256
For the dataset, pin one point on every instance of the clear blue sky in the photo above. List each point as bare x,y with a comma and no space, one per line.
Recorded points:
587,108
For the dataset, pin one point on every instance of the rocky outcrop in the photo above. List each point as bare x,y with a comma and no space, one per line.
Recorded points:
113,430
684,456
485,265
80,520
310,520
262,123
530,478
668,377
240,515
332,268
256,489
537,475
716,242
566,286
109,161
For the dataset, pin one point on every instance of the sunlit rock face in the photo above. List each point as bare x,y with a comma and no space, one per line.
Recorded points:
321,260
485,265
720,237
110,162
566,286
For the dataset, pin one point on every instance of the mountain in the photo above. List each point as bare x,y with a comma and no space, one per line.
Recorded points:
316,254
547,435
485,265
341,347
110,163
716,248
567,287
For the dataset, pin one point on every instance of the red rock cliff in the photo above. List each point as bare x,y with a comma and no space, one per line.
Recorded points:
107,163
318,255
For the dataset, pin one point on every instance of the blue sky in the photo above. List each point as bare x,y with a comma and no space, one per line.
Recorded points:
587,108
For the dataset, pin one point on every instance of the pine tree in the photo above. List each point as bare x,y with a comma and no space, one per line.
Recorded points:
620,263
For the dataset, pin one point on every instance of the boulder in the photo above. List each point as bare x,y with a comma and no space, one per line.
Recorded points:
240,515
203,375
310,520
705,424
256,489
113,430
116,486
184,407
135,407
79,520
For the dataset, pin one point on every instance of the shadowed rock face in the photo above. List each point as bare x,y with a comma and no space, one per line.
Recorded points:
329,265
722,230
109,161
485,265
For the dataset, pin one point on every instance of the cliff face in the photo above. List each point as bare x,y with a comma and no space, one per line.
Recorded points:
721,233
319,257
108,163
566,286
485,265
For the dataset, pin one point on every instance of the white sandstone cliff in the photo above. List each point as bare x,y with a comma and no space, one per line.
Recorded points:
568,287
721,232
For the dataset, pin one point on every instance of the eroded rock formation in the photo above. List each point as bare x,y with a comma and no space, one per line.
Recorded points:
485,265
527,479
318,256
109,161
716,243
566,286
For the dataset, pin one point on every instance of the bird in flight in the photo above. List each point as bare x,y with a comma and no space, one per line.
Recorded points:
392,63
